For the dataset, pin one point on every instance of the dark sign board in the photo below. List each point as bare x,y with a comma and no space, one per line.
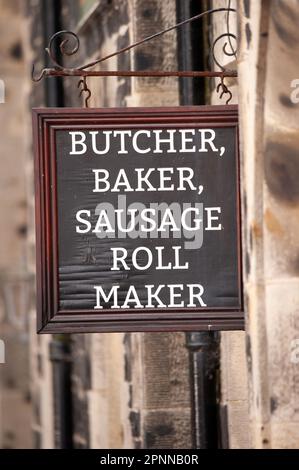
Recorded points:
137,219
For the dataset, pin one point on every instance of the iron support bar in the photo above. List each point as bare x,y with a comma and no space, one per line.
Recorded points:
134,73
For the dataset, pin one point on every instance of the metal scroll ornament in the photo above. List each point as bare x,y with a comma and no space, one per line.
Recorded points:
70,44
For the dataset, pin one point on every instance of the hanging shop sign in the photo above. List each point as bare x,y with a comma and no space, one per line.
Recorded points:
137,219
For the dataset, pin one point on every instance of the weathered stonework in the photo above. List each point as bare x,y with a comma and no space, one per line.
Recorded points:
15,281
269,137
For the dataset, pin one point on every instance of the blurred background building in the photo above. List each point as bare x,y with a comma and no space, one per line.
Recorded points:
155,390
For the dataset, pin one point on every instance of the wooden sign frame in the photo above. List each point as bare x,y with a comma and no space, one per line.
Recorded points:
50,319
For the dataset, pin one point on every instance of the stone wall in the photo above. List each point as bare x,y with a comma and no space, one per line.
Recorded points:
269,145
15,281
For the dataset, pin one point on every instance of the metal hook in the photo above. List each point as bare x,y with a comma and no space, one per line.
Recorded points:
224,91
84,89
39,77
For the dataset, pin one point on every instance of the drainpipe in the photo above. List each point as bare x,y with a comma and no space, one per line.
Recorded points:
60,345
61,372
203,347
203,350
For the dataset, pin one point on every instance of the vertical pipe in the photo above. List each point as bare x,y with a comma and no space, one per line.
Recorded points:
203,350
59,348
51,24
60,357
203,347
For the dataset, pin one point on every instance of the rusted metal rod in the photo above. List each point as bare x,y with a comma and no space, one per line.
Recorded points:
65,49
135,73
68,48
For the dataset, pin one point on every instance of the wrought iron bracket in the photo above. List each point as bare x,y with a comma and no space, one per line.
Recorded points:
70,45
